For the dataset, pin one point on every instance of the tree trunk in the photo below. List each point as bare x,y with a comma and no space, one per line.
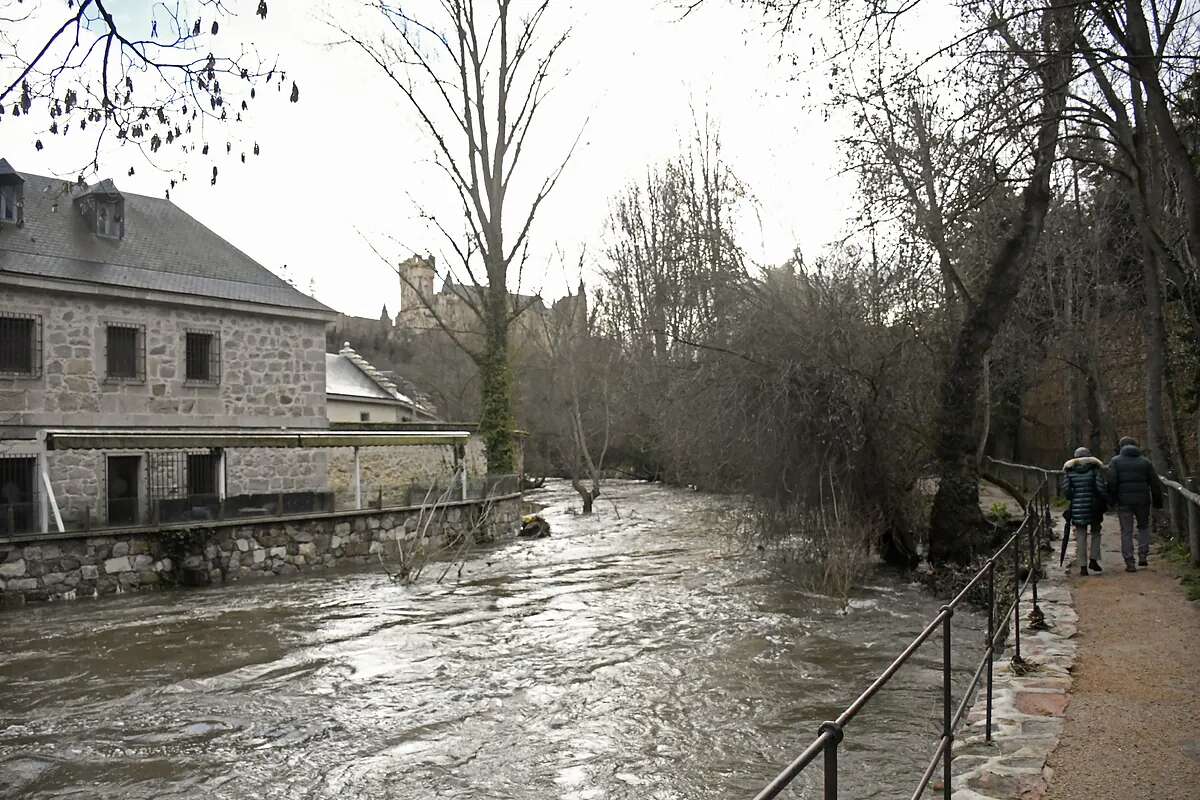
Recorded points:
586,496
985,427
1155,334
495,419
957,521
1146,69
1153,326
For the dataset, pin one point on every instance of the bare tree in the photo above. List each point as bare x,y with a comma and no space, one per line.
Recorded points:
86,72
577,412
476,76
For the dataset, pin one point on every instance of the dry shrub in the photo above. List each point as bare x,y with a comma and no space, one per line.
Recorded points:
826,549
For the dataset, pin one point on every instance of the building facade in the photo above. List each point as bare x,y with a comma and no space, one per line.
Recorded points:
122,312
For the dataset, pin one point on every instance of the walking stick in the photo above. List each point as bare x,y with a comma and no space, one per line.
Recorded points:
1062,555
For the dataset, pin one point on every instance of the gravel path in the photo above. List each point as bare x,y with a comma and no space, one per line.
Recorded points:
1133,724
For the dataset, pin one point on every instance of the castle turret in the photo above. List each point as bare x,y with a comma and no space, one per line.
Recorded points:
416,282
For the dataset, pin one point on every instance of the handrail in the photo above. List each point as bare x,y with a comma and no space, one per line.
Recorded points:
1033,527
1182,500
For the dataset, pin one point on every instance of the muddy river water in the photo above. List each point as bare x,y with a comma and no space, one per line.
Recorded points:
635,654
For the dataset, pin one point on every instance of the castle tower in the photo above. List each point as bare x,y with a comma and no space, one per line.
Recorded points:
416,281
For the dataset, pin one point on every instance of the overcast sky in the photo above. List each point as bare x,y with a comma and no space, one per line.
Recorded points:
348,164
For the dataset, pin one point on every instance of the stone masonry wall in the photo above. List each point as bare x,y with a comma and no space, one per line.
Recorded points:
393,469
271,469
89,566
272,369
78,478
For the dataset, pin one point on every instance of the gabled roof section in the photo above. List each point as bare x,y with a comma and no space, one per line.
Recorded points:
347,373
164,249
8,175
105,188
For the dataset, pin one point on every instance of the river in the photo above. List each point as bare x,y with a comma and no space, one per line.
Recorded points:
634,654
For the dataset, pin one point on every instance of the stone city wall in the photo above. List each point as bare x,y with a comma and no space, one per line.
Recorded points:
216,553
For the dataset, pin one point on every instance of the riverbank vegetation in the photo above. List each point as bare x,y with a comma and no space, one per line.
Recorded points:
1026,207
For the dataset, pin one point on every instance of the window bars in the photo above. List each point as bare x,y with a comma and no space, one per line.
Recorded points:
125,352
202,357
183,485
19,498
20,344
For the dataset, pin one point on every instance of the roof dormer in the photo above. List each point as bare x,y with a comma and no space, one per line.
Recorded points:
104,209
12,195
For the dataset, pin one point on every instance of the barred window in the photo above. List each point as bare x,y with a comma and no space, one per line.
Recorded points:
203,357
202,474
125,352
20,344
18,494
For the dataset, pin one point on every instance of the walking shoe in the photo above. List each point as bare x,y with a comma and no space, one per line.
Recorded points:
1094,566
1129,567
1142,562
1083,570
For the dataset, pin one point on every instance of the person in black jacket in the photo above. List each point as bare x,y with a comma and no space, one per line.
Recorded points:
1083,486
1134,486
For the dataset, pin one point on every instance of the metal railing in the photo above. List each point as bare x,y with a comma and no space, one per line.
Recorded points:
1035,526
1182,497
1183,503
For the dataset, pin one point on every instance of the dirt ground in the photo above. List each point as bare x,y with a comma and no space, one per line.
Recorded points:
1133,723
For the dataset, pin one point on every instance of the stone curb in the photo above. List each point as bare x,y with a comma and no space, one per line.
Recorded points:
1027,710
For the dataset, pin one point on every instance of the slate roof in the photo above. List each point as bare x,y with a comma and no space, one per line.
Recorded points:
343,377
164,249
348,373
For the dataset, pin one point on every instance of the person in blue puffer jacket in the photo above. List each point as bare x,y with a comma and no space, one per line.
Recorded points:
1083,486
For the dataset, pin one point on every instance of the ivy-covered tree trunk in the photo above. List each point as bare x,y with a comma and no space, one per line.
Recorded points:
956,525
496,385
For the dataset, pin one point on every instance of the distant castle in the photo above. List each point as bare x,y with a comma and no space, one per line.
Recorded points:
421,308
378,338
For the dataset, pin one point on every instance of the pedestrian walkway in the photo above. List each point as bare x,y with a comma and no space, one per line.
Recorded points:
1133,723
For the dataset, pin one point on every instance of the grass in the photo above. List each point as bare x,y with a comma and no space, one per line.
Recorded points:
1000,513
1176,551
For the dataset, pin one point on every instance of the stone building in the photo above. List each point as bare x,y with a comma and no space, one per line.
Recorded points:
356,391
120,312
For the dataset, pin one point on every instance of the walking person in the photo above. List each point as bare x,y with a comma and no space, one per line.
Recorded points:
1083,485
1134,486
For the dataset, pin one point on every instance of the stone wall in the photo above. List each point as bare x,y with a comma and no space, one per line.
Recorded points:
78,478
262,470
89,566
394,469
272,369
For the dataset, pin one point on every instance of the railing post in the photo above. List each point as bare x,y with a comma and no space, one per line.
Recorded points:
831,758
947,730
1017,597
1194,524
1033,563
1175,503
991,641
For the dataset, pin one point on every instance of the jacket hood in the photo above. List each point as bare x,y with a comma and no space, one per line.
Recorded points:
1131,450
1087,462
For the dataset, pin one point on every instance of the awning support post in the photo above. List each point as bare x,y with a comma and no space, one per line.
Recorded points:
49,503
221,488
357,481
